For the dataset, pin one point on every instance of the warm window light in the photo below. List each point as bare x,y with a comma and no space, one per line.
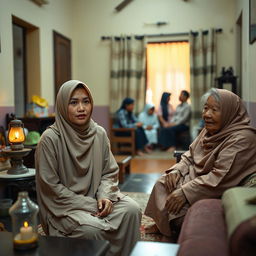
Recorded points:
168,70
16,135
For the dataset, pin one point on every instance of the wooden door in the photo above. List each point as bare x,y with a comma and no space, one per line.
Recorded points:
62,60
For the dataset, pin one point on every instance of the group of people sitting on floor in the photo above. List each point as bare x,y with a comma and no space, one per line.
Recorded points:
156,128
77,175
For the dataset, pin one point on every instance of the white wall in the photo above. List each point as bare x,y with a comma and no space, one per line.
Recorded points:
248,54
85,21
96,18
54,16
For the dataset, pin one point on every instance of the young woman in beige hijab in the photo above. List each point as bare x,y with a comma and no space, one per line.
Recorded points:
77,177
220,157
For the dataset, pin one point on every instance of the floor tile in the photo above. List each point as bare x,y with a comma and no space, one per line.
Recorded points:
139,182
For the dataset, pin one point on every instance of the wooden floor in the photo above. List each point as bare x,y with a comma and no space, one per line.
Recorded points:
145,166
145,171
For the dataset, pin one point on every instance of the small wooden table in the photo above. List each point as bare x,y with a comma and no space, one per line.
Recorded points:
123,162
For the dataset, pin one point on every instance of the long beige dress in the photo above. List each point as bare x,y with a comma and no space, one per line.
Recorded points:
74,169
213,163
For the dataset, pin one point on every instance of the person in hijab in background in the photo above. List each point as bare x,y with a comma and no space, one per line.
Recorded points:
77,177
165,111
150,124
126,119
221,157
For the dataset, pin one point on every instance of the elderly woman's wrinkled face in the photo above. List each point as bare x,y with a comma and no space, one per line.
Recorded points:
79,107
212,115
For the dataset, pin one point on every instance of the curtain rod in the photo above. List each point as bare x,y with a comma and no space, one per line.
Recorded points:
205,32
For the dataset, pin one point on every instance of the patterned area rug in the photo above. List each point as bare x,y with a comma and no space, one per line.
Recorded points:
142,199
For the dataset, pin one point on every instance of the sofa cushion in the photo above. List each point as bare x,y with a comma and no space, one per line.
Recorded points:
236,206
203,231
240,214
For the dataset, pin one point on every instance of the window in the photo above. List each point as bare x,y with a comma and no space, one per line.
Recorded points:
168,69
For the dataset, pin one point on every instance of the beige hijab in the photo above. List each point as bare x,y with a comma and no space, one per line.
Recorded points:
235,130
74,168
234,117
76,140
217,162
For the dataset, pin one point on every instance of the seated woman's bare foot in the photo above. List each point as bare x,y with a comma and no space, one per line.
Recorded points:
171,149
147,149
152,229
140,153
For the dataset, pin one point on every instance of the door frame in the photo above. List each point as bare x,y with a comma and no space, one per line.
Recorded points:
62,71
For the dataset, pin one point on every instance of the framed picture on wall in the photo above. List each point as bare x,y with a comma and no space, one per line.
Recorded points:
252,22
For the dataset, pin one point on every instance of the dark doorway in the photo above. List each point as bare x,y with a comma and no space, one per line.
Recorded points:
62,60
26,64
19,61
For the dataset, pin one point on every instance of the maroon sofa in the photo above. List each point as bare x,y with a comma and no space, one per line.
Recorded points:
206,232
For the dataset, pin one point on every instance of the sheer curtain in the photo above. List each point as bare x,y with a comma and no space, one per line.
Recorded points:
127,76
168,69
203,57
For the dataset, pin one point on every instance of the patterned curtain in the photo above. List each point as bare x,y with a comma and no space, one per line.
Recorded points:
127,76
203,68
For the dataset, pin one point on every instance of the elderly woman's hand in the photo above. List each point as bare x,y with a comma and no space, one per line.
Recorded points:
175,201
105,207
171,180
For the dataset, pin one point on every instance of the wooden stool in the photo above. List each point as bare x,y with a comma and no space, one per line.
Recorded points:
124,165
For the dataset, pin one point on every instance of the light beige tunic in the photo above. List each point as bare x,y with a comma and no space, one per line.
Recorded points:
74,169
213,163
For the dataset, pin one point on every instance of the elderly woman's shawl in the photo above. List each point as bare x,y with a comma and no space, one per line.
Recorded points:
74,167
213,163
217,162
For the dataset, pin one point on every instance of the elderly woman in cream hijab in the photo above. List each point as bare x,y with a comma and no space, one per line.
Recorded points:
77,177
221,157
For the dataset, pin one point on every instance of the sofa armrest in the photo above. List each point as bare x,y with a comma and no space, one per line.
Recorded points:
240,215
203,231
